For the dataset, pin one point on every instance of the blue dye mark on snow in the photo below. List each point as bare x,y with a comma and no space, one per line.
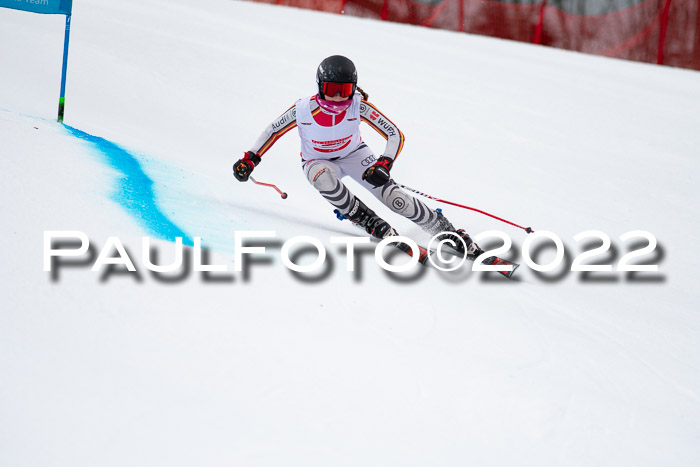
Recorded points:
134,190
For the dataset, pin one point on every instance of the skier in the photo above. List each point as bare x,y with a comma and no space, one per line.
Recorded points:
331,147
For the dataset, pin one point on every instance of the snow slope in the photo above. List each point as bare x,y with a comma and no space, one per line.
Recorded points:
266,368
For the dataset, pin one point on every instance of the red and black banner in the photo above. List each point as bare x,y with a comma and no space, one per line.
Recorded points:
655,31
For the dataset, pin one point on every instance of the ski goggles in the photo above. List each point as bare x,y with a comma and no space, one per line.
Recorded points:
344,89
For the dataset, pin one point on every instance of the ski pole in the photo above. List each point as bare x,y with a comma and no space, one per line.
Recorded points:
526,229
282,194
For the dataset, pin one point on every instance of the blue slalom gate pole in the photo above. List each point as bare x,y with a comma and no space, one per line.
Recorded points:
49,7
62,98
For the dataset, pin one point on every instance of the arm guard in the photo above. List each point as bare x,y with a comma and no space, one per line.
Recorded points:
385,127
275,131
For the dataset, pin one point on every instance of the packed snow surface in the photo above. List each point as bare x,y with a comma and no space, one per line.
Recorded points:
263,367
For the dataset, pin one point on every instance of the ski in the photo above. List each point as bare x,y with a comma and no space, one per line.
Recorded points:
491,260
422,252
423,256
495,260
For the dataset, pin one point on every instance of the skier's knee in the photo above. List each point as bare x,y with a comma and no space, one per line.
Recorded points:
322,177
398,201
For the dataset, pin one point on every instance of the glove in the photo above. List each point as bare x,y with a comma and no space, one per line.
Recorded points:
378,174
244,167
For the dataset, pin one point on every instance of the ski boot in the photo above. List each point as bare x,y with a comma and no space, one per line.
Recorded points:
374,225
467,247
472,249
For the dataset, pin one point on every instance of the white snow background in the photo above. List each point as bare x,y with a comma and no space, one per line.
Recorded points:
564,368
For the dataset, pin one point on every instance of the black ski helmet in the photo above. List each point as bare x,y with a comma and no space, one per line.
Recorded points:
336,69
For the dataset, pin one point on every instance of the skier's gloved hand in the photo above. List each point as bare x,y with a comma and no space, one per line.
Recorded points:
244,167
378,174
